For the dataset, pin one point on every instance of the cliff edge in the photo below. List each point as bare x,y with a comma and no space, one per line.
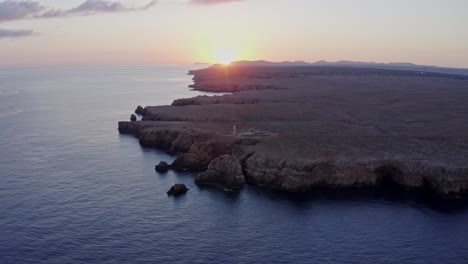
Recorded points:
297,128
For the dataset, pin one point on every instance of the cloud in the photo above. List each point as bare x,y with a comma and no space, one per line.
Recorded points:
212,2
91,7
5,33
14,10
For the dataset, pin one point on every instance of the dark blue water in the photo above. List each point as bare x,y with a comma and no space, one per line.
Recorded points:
72,190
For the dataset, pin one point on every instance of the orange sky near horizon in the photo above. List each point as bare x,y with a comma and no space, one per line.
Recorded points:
175,32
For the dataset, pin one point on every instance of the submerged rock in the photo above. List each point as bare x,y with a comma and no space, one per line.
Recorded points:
224,171
140,110
162,167
177,189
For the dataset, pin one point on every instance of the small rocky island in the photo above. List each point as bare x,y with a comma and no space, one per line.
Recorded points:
177,189
299,128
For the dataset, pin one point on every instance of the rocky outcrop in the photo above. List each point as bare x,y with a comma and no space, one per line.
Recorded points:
185,140
127,127
407,131
231,87
297,176
174,140
133,118
140,110
229,163
159,138
206,100
186,101
225,172
201,154
162,167
177,190
294,176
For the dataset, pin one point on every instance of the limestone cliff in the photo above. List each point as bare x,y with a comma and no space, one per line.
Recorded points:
316,127
225,172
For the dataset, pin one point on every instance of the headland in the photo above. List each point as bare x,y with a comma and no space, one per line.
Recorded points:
296,128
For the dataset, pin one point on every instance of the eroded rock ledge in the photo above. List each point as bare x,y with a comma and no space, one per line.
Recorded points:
224,171
230,162
324,128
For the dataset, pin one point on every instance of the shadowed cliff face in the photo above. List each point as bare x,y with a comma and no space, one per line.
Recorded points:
224,171
231,162
322,126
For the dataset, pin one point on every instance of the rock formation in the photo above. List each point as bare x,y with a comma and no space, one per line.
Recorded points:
324,127
177,190
225,172
162,167
133,118
201,154
140,110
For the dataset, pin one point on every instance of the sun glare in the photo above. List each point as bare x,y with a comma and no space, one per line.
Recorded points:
225,56
223,44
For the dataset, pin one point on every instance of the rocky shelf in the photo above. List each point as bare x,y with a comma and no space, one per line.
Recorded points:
298,128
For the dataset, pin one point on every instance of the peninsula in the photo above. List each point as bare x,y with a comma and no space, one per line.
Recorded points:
299,127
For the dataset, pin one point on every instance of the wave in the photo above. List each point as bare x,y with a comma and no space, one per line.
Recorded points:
8,92
11,112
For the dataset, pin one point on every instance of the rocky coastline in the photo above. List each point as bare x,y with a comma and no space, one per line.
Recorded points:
308,132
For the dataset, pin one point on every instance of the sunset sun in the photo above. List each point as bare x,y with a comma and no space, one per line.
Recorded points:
225,56
218,48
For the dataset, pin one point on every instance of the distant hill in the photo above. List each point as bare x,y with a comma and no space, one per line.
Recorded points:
269,63
392,66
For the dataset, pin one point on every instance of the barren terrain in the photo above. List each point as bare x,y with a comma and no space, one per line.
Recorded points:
334,126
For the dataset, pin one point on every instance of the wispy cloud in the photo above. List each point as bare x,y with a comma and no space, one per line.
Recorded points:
212,2
5,33
25,9
11,10
14,10
91,7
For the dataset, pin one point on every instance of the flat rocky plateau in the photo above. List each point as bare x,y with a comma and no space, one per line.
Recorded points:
298,128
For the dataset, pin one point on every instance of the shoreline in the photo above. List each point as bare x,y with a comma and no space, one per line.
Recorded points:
315,135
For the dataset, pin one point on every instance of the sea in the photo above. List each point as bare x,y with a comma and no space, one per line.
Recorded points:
74,190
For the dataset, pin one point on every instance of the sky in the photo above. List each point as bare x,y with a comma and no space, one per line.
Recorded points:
70,32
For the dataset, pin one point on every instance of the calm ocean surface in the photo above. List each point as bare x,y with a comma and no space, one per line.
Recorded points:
72,190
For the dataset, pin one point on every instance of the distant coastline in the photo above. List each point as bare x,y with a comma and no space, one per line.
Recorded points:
343,63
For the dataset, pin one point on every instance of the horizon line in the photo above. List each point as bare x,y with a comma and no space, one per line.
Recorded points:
104,64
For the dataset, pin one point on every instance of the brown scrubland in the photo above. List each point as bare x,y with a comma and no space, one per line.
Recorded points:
298,128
